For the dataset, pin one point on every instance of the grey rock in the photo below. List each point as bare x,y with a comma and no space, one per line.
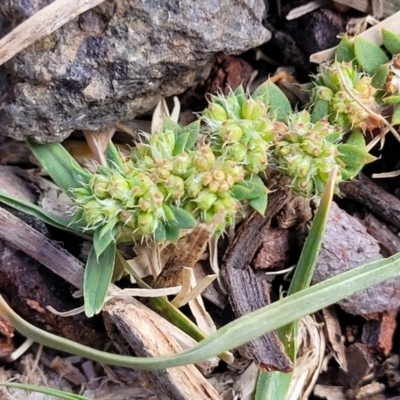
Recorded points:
347,245
115,61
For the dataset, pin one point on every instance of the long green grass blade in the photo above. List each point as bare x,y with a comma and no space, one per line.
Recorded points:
275,385
45,390
97,278
60,165
35,211
236,333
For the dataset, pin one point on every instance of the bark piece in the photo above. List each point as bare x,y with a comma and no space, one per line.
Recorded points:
389,242
29,288
274,251
116,61
142,330
360,364
370,195
347,245
379,333
247,292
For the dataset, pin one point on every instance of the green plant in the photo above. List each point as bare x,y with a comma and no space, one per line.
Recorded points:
179,177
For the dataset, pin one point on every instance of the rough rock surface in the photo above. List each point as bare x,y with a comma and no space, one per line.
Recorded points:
115,61
347,245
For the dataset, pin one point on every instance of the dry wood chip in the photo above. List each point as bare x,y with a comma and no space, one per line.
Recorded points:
330,392
23,237
64,367
275,248
247,292
370,195
145,333
186,253
389,242
379,333
335,336
360,364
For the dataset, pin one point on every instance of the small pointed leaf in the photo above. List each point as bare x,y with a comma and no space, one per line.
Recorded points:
240,95
172,233
97,278
113,157
278,102
345,51
379,79
183,219
396,115
160,234
391,41
260,203
320,110
391,100
369,55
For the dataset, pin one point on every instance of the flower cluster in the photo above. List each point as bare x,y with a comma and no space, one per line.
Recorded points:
334,84
307,152
169,183
176,178
240,130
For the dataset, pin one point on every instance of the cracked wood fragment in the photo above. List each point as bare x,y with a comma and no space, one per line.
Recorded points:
370,195
146,334
247,292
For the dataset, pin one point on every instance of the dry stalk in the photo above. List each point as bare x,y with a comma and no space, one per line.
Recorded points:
366,109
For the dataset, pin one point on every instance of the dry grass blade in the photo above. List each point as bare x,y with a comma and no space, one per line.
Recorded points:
44,22
98,142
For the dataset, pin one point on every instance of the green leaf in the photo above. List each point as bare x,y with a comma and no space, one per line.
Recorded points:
379,79
248,190
160,234
240,95
45,390
391,100
396,115
60,165
172,232
261,91
182,219
354,156
260,203
236,333
391,41
57,221
275,385
97,278
193,129
345,51
320,110
356,139
181,139
278,102
113,157
169,214
369,55
170,125
102,239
